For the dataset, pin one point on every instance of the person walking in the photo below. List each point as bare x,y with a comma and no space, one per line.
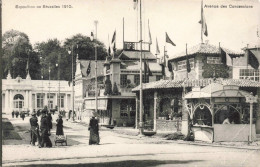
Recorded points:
13,114
49,118
34,129
22,115
16,114
45,131
94,131
59,130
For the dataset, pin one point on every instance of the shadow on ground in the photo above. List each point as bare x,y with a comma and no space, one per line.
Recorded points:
135,163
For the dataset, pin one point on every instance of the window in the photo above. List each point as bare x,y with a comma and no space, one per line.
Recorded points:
145,78
61,101
18,101
123,80
251,74
147,108
158,77
137,79
213,60
132,108
39,100
182,64
123,109
50,101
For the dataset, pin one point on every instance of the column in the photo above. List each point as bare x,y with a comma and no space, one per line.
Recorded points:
136,112
6,101
26,99
154,110
45,99
10,101
66,102
30,101
35,103
56,100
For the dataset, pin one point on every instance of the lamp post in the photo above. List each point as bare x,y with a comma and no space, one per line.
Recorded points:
49,88
59,98
251,99
42,83
96,85
72,80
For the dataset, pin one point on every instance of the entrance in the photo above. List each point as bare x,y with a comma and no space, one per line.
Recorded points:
18,103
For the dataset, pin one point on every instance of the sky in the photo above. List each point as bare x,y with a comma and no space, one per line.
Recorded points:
234,28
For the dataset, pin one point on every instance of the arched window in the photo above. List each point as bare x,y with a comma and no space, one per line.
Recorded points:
18,101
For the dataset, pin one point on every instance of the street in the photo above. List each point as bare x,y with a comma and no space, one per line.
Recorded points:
118,150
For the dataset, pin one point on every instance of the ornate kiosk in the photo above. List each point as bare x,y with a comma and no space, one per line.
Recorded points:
220,113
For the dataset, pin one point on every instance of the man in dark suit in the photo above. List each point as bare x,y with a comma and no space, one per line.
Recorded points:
34,129
45,133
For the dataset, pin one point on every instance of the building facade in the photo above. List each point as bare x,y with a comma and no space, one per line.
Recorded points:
206,68
116,76
20,94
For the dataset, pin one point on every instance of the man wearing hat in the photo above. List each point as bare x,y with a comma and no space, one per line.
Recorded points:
45,130
34,129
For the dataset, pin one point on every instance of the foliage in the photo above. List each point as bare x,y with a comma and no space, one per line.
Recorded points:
17,50
214,70
108,87
84,47
115,89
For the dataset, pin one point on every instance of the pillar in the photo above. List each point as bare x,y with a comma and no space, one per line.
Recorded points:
6,101
30,101
66,102
26,99
45,99
10,101
136,112
154,110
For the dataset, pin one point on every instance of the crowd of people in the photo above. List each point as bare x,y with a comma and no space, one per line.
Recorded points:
41,131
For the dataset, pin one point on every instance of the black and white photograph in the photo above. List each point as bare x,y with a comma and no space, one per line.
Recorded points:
130,83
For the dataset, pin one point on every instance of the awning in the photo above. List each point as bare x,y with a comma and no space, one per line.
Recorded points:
91,104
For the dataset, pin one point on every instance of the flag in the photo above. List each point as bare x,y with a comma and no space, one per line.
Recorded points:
163,69
188,64
92,36
89,68
187,61
109,51
203,21
27,66
147,70
150,36
135,4
114,37
168,40
169,66
157,47
225,58
252,60
114,42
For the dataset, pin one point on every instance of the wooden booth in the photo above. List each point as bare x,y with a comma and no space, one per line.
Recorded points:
220,113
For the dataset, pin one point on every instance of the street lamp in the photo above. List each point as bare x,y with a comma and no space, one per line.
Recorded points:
42,83
59,98
96,85
72,80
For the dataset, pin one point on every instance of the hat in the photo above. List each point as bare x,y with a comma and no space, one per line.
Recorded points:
44,111
33,113
60,116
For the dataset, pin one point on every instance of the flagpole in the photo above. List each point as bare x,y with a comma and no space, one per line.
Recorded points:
141,76
123,31
96,85
187,75
201,19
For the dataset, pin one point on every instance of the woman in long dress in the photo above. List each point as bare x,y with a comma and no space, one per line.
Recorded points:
59,130
94,134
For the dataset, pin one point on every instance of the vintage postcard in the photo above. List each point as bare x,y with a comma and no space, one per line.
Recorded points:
130,83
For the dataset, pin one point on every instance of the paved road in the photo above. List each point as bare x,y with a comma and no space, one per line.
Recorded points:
120,150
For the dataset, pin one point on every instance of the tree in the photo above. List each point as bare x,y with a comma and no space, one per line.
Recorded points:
108,87
52,53
115,89
17,51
